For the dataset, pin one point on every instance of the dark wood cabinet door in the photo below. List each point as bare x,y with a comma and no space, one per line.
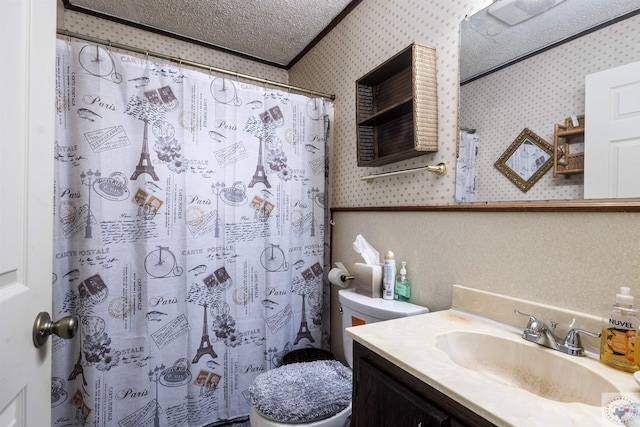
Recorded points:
382,401
385,395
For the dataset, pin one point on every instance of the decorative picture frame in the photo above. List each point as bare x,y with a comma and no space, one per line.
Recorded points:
526,160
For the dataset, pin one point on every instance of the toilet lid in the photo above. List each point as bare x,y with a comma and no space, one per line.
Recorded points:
302,392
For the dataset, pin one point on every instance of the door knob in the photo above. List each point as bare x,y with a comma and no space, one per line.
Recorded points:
43,327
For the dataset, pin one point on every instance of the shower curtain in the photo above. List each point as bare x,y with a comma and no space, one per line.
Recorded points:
189,238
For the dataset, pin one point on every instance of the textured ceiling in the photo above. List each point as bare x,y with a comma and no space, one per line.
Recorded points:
487,43
272,31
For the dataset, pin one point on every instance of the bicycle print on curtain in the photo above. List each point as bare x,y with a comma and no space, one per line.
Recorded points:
189,238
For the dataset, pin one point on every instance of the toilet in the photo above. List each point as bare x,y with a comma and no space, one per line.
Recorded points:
356,310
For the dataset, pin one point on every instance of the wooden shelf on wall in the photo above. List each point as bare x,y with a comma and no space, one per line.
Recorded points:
396,108
564,161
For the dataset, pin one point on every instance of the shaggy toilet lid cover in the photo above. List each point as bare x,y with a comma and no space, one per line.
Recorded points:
302,392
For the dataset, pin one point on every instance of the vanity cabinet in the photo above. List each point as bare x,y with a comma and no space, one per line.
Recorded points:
386,395
396,108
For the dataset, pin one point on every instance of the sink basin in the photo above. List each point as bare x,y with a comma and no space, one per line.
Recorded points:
541,371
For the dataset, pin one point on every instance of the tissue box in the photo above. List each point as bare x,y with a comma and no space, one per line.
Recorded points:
368,279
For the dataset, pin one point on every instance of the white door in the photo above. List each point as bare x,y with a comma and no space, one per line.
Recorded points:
612,133
27,99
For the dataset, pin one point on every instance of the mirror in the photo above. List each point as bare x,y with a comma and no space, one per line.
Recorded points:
530,75
526,160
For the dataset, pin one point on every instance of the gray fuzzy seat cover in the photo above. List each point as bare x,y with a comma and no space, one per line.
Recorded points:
302,392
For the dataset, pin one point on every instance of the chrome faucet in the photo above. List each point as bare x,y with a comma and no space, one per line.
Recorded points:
539,333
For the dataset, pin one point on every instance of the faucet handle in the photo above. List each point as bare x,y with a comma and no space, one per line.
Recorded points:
533,324
573,337
533,329
573,342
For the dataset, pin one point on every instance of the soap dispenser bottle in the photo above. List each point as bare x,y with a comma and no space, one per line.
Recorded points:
617,346
402,289
388,275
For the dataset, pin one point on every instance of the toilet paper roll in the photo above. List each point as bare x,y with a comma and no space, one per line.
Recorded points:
339,277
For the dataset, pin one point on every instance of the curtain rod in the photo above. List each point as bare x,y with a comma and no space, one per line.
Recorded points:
191,63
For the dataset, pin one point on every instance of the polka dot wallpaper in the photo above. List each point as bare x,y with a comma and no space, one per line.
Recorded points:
377,29
373,32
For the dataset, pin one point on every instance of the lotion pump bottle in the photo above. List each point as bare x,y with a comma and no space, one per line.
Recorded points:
402,289
617,346
388,275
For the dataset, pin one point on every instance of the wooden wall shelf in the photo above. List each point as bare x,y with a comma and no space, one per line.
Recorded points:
564,161
396,108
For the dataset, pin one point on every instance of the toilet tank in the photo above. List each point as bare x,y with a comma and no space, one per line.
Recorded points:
359,309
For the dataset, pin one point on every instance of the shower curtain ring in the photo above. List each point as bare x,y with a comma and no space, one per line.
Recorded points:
146,53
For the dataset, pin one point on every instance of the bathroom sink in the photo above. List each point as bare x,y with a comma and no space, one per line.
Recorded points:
541,371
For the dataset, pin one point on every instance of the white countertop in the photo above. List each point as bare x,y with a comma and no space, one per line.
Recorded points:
410,343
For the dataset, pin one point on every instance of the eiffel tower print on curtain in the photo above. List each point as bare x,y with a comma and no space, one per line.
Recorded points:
304,331
259,175
144,165
205,342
